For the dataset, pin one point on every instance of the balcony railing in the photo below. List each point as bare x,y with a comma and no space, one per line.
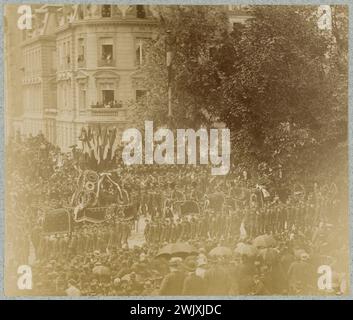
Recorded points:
107,114
106,63
50,111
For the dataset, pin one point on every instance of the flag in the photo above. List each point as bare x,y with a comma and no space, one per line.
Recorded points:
95,144
110,139
243,233
115,144
98,143
83,138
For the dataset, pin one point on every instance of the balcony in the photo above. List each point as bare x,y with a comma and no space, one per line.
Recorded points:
50,112
106,63
101,114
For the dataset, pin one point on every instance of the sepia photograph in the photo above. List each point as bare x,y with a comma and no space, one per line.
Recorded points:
176,150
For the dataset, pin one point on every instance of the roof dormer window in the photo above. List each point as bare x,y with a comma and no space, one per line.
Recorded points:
106,11
140,12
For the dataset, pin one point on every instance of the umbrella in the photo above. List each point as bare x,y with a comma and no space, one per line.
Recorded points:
101,270
246,249
264,241
176,249
299,252
127,277
220,251
269,254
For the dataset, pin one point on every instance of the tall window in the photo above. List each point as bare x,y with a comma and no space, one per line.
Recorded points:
237,31
238,27
107,52
59,59
68,55
141,46
108,97
82,97
64,53
81,50
106,11
141,95
140,12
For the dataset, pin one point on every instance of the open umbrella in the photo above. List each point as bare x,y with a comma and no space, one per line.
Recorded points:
264,241
101,270
269,255
245,249
220,252
299,252
126,277
178,248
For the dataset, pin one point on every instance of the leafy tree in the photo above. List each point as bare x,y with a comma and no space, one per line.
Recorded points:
197,31
279,83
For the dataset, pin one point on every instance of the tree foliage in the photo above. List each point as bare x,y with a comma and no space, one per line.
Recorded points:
196,30
278,82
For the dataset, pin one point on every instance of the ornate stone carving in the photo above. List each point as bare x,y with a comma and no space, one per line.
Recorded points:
123,9
82,77
106,76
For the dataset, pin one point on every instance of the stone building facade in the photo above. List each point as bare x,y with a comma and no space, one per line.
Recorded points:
81,66
12,73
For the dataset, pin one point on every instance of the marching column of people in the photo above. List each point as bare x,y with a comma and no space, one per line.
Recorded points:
225,225
91,238
185,228
96,259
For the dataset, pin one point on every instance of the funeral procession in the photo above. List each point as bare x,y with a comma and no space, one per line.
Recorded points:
186,150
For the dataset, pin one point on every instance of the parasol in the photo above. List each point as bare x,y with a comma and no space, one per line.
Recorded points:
101,270
246,249
220,251
264,241
299,252
269,255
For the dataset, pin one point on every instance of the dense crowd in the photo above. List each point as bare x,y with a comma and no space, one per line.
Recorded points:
218,253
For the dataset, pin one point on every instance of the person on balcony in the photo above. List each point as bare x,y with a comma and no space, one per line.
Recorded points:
117,104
